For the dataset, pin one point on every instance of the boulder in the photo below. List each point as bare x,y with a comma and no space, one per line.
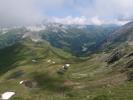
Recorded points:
66,66
34,61
28,83
115,56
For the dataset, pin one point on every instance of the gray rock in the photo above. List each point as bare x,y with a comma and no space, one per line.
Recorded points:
130,54
115,56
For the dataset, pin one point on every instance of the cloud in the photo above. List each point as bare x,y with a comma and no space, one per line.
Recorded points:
86,21
108,9
18,12
26,12
99,12
96,21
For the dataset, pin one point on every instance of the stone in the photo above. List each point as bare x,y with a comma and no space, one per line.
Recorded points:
28,83
7,95
115,56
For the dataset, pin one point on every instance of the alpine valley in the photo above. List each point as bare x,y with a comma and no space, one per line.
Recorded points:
67,62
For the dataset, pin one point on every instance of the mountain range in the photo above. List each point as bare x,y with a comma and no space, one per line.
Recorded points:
100,60
88,37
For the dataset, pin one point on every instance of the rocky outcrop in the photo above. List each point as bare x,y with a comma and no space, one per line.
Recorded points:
115,56
129,64
130,54
29,83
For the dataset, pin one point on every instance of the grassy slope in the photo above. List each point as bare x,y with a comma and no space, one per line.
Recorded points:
86,79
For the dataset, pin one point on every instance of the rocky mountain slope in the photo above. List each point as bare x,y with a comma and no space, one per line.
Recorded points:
79,40
88,37
122,35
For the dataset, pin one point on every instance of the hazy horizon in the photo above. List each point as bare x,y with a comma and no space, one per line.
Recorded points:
96,12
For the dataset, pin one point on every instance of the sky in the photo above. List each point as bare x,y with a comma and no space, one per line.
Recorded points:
29,12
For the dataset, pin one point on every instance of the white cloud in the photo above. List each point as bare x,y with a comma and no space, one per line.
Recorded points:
70,20
23,12
96,21
16,12
86,21
108,9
